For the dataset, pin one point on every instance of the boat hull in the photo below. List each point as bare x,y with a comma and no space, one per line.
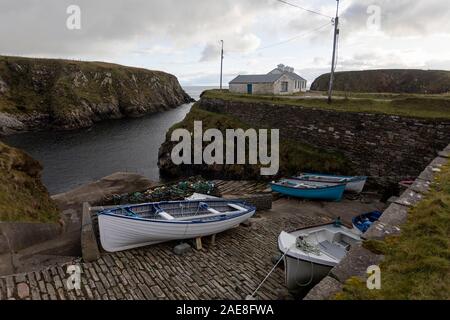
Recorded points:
334,193
124,233
301,273
353,184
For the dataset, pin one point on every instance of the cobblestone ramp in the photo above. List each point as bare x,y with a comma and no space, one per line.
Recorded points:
231,269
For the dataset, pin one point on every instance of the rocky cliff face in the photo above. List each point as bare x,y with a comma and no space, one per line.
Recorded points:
22,195
61,94
390,81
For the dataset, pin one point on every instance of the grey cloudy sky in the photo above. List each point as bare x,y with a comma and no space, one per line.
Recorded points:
182,36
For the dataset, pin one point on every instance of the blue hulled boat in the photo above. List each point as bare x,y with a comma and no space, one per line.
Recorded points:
363,222
309,189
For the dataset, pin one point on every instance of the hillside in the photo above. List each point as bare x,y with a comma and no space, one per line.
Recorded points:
22,194
50,93
390,81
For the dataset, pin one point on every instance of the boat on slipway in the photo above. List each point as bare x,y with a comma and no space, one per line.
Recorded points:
363,222
354,184
129,227
310,254
309,189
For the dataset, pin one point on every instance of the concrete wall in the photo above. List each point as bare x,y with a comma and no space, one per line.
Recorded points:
258,88
387,148
15,236
267,88
291,85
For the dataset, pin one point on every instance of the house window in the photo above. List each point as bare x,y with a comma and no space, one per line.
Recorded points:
284,86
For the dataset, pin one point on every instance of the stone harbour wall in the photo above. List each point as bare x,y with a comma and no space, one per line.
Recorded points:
357,261
386,148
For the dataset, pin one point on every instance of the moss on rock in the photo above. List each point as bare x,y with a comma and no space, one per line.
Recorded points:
23,198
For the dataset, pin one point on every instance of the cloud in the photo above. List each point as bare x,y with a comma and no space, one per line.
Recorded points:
39,27
400,18
244,43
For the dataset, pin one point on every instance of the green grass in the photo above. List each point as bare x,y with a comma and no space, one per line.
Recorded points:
416,106
23,198
47,85
294,157
384,96
417,263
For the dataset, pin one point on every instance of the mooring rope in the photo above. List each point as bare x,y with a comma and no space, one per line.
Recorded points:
252,296
303,245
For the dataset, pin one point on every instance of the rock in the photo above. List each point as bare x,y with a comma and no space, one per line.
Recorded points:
3,86
23,291
182,249
9,124
95,192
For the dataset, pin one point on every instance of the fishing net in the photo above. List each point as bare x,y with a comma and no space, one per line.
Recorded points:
170,192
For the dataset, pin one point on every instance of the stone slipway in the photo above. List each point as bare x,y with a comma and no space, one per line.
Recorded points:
357,261
230,269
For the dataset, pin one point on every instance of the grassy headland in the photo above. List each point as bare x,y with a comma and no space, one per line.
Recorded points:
73,94
387,80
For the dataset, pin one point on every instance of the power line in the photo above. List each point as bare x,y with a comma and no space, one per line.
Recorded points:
295,38
305,9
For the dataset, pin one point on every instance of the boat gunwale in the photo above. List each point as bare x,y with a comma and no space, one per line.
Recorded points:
309,261
308,258
224,217
334,186
349,178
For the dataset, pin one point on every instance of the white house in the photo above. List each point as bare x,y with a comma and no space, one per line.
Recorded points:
282,80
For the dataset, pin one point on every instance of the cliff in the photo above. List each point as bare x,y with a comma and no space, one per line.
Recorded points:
62,94
390,81
23,198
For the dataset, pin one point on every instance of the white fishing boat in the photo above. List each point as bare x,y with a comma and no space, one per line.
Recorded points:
129,227
310,254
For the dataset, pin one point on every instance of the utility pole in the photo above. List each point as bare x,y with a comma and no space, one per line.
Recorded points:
333,62
221,66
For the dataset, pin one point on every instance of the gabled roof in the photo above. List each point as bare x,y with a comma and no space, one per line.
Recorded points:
256,78
293,75
264,78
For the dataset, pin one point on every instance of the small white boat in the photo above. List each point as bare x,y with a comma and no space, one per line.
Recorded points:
353,184
129,227
310,254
